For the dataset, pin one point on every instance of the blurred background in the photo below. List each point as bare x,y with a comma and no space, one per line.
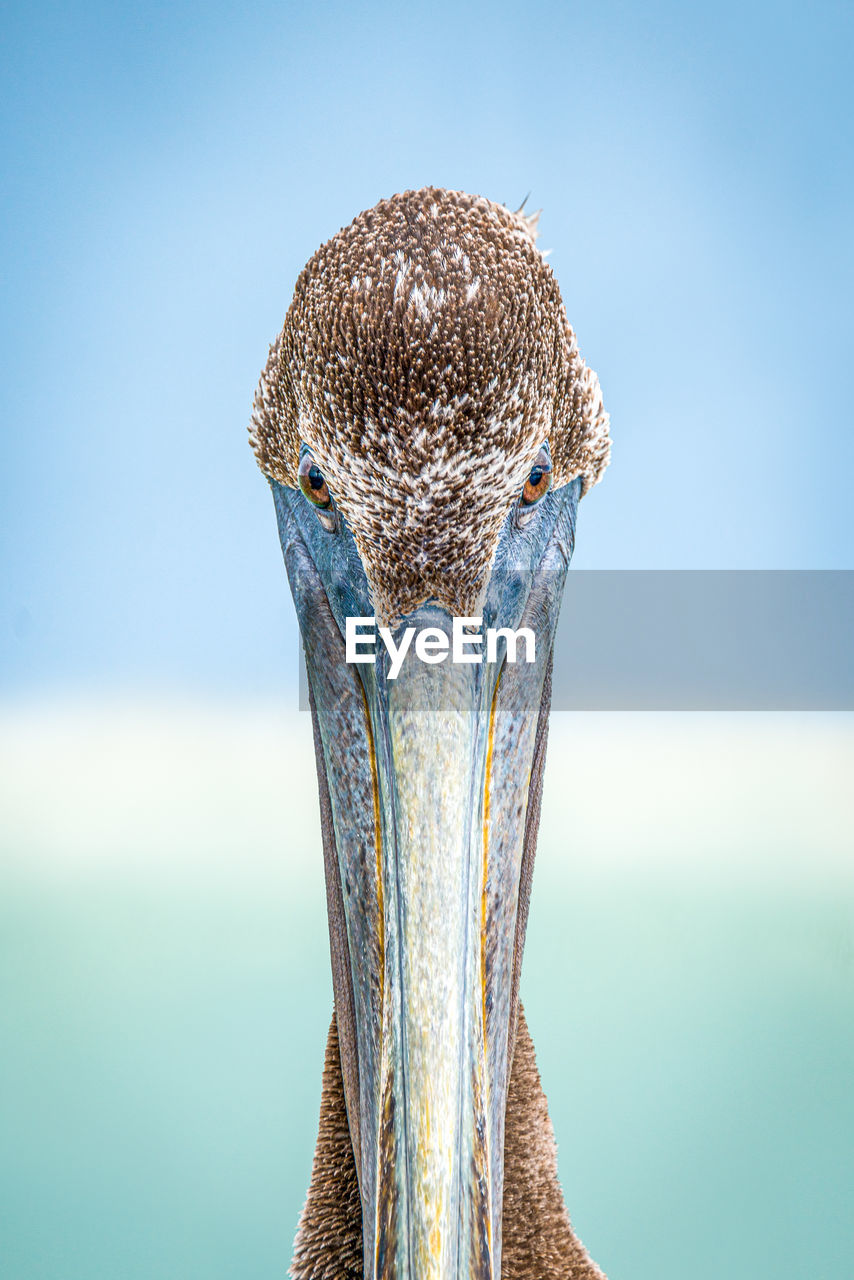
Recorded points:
164,985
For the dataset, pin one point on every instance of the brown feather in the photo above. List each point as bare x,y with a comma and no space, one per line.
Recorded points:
425,358
539,1242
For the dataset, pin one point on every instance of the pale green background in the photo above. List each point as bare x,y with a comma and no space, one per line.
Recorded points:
689,981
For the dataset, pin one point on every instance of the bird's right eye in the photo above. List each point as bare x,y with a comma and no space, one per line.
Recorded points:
312,483
316,491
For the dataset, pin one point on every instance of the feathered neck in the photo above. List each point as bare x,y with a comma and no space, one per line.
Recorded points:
539,1242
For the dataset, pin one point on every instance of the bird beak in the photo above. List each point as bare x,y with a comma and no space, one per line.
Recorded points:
429,797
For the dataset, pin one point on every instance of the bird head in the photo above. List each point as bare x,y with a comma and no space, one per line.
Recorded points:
428,427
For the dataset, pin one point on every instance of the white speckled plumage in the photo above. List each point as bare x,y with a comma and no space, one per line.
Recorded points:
425,358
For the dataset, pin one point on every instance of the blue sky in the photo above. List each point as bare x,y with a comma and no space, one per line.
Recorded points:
169,169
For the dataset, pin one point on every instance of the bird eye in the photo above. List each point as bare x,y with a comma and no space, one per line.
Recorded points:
537,484
316,491
312,483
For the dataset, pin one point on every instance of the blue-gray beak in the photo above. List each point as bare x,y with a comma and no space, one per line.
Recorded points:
430,800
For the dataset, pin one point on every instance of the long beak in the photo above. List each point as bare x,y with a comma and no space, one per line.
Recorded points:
434,1215
426,781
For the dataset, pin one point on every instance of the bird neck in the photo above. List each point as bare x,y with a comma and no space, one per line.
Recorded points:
538,1240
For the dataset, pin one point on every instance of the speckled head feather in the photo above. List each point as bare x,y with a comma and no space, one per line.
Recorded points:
425,358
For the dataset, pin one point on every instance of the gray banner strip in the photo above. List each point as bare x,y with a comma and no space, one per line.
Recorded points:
706,641
702,640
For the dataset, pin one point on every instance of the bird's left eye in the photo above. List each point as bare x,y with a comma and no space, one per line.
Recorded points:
538,483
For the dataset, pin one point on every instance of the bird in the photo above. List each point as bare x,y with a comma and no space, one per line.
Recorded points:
428,426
